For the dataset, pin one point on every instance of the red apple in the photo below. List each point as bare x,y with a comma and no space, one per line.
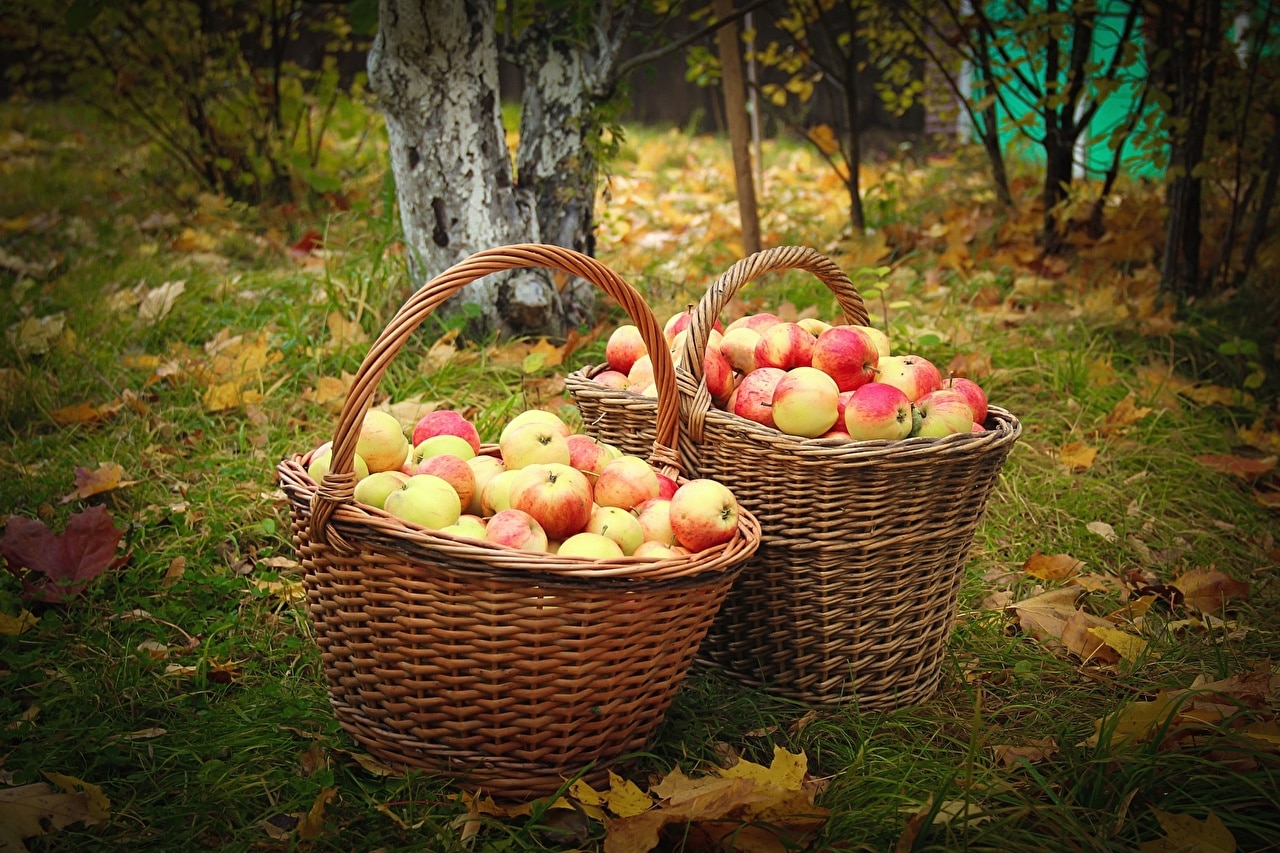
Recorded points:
679,322
654,516
916,376
755,395
972,392
759,322
455,471
611,379
556,495
652,550
784,345
533,444
382,442
878,411
588,455
446,422
626,482
516,529
805,402
666,486
623,348
717,372
943,412
641,373
841,403
704,514
847,355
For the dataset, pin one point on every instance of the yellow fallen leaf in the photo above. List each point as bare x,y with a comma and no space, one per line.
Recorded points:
344,331
1045,616
12,626
29,811
1052,567
1129,646
107,477
1186,834
1124,414
310,827
35,335
228,395
1135,721
1077,456
1035,749
625,798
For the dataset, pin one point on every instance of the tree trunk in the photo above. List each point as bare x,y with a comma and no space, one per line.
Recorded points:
853,154
434,68
735,110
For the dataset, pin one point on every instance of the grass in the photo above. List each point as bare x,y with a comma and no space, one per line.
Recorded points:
233,749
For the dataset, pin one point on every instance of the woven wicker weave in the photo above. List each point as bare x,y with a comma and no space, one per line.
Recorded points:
852,594
508,670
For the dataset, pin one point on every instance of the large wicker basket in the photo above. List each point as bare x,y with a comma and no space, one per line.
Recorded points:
852,594
508,670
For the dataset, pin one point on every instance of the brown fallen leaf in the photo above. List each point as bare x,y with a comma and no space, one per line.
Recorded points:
1052,567
1207,590
1079,638
1044,616
29,811
55,567
1035,749
312,824
1247,468
1124,414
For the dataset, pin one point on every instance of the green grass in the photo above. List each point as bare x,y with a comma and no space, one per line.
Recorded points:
249,742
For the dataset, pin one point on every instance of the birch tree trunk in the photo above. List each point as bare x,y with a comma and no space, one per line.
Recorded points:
434,67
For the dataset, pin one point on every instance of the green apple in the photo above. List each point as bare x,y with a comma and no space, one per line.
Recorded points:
426,500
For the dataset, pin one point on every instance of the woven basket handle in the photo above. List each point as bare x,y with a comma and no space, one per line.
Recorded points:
697,400
338,486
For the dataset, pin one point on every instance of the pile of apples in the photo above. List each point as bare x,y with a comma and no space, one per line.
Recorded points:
809,378
549,489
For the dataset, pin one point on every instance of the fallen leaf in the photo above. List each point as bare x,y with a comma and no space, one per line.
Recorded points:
1208,589
1052,567
59,566
1077,456
107,477
12,626
1186,834
312,825
1129,646
1135,721
29,811
228,395
35,335
1045,616
1124,414
158,302
1079,638
344,332
1035,749
177,567
1247,468
1106,531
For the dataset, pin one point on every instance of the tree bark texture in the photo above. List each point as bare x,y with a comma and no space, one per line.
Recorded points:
735,110
434,68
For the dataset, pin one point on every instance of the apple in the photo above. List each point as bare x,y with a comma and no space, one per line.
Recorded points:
373,490
438,445
842,402
611,379
679,322
466,525
446,422
496,494
556,495
624,346
666,485
454,470
617,524
588,455
879,338
943,412
641,373
754,400
847,355
805,402
836,432
739,348
977,427
533,444
626,482
704,514
516,529
590,545
878,411
651,550
426,500
322,458
382,441
784,345
916,376
717,373
535,416
483,468
759,322
972,392
654,516
813,325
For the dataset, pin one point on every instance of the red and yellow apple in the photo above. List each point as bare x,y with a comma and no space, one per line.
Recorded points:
878,411
847,355
805,402
557,495
446,422
704,514
626,482
915,375
754,396
943,412
534,444
382,442
516,529
784,345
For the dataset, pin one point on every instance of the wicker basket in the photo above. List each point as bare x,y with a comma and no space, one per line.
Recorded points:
852,594
508,670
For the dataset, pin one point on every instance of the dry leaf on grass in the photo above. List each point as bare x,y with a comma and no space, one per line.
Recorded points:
29,811
1245,467
1035,749
55,567
107,477
1124,414
1044,616
1187,834
1208,590
1077,456
1052,567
